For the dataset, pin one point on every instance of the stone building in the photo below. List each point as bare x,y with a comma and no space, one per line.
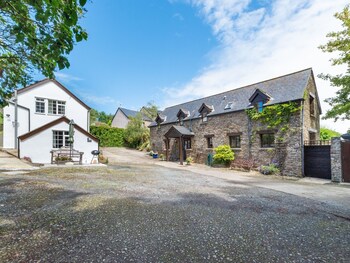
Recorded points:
196,127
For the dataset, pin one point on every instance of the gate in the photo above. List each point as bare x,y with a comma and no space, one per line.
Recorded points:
345,156
317,159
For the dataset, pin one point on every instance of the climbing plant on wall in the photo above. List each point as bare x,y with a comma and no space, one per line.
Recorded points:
275,116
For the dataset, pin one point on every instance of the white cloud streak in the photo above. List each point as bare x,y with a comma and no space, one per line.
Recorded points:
66,78
278,38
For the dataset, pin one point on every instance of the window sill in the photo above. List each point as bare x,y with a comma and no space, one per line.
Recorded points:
204,123
236,149
51,114
267,148
40,113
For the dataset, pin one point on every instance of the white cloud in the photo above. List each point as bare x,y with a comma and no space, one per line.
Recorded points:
66,78
178,16
258,44
98,100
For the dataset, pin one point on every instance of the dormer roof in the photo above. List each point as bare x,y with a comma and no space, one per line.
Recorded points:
259,95
182,113
160,118
205,107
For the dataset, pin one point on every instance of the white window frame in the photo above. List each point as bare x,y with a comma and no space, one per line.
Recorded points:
56,107
55,137
42,105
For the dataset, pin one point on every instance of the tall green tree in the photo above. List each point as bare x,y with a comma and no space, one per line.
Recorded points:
340,44
36,36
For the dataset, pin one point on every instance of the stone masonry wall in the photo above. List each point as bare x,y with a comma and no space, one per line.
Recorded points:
336,164
311,121
236,122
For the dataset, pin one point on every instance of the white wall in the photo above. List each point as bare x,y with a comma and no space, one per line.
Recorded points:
49,90
38,147
120,120
9,128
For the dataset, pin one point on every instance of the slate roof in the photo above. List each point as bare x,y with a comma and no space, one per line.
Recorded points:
281,89
177,131
132,113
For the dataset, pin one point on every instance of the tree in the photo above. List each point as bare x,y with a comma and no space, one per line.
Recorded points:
100,116
135,132
339,43
327,134
150,110
36,36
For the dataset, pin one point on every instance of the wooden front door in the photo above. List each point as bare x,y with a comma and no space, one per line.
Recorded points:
345,156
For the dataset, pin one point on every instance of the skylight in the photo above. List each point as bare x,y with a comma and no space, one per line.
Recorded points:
229,106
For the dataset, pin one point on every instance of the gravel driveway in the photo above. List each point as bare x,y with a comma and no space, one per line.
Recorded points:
149,213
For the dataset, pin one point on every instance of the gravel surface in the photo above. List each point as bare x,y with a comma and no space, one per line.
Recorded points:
147,213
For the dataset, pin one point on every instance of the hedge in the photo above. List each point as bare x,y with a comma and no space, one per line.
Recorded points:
109,136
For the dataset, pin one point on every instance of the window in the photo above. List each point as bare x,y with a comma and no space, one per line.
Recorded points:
260,106
39,105
312,136
312,105
187,143
204,117
60,139
235,141
267,140
210,142
181,120
57,107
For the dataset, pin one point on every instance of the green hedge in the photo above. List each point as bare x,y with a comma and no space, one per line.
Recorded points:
109,137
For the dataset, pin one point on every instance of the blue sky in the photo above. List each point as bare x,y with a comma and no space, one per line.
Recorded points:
172,51
135,48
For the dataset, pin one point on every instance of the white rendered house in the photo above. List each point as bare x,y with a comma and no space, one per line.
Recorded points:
44,110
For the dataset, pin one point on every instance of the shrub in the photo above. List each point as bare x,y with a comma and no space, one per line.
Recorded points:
136,133
269,169
63,159
189,160
108,136
223,154
246,164
144,146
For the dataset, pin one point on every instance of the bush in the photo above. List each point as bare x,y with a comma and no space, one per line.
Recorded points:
269,169
223,154
136,133
245,164
189,160
108,136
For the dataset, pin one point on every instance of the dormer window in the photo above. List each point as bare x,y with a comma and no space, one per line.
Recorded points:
204,110
181,115
204,117
258,99
181,120
260,106
159,119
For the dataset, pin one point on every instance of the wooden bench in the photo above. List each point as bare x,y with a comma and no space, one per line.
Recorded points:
64,155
